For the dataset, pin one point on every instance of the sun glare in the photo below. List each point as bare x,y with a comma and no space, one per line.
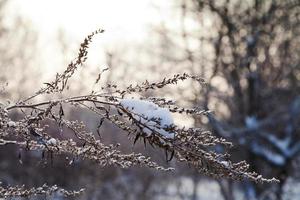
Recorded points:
124,22
77,17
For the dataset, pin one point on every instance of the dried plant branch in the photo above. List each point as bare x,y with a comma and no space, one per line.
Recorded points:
193,146
21,191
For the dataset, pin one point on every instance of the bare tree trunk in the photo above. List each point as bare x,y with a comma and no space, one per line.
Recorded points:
195,186
226,189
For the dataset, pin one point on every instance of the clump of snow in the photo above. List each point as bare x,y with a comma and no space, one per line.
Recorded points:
52,141
225,163
150,114
11,124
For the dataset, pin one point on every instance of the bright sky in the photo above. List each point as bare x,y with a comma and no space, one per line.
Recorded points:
78,17
123,21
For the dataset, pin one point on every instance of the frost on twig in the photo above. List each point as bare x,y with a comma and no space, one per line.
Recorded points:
21,191
147,119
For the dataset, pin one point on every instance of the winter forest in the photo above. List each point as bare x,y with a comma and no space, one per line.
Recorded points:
150,99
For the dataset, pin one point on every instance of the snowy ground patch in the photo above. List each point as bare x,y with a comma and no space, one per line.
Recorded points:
150,114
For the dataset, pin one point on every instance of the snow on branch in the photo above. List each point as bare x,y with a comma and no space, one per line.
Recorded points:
277,151
142,119
151,115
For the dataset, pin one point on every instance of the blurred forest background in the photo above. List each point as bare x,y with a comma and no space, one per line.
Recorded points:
247,51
